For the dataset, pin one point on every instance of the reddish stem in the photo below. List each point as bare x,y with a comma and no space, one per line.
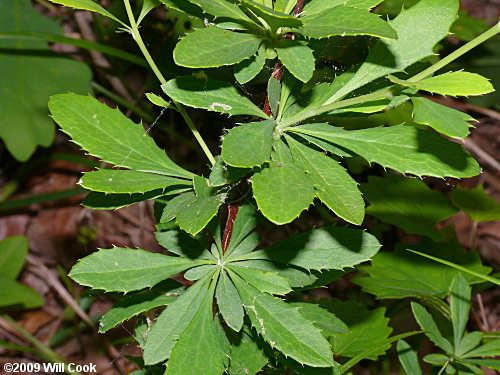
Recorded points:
232,210
298,8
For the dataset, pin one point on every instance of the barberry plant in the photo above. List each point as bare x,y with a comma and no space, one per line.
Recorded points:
274,163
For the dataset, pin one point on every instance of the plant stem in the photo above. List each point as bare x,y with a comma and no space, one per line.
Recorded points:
381,94
384,93
443,368
136,35
456,54
232,210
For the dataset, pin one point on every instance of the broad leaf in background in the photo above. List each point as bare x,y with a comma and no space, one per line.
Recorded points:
248,145
13,251
322,248
127,181
24,91
367,328
124,270
283,327
393,200
333,184
213,46
297,57
446,120
272,17
211,94
402,274
402,148
107,134
345,20
197,214
476,203
419,29
453,83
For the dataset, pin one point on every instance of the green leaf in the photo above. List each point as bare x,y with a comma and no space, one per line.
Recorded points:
408,358
401,274
212,46
402,148
267,282
323,319
175,205
489,349
223,9
283,327
132,306
468,271
13,251
15,295
244,223
443,119
476,203
172,322
147,6
198,214
212,95
223,174
87,5
282,192
367,329
297,57
229,302
124,270
102,201
334,186
107,134
157,100
197,273
425,321
344,20
248,69
393,201
249,145
127,181
183,244
24,92
323,248
419,29
274,94
319,6
272,17
490,363
246,356
460,295
199,337
452,83
469,341
248,244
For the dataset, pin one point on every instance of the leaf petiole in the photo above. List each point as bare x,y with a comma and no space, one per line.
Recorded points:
136,35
